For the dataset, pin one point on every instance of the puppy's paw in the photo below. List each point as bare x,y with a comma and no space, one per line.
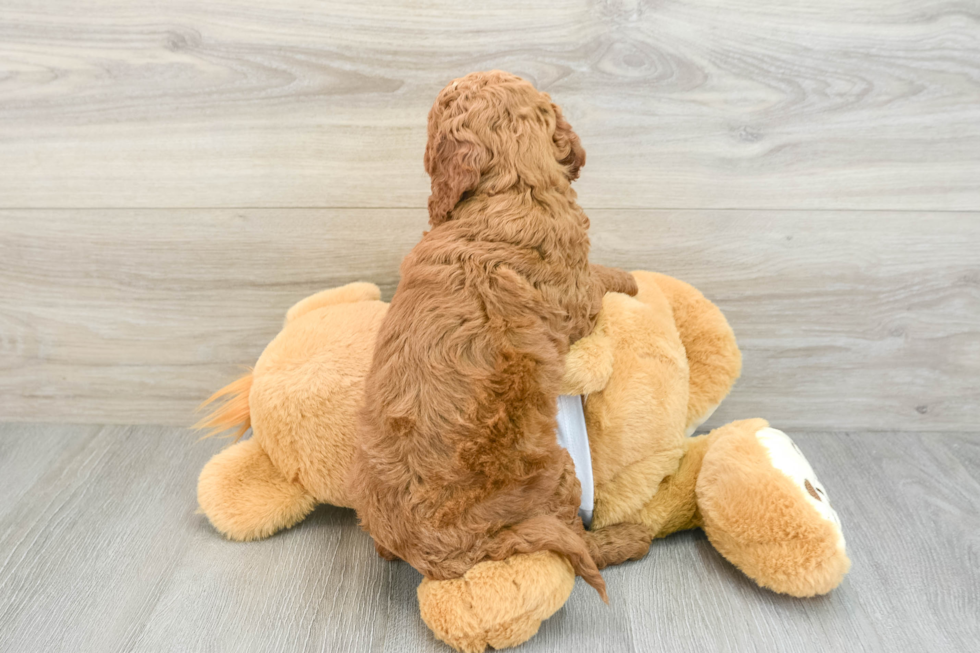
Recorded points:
614,280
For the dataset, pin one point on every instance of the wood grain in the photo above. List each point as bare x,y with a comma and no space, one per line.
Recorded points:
847,320
694,104
103,552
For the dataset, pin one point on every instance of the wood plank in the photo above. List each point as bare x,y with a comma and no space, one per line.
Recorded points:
105,552
845,320
38,448
85,554
136,103
130,316
852,320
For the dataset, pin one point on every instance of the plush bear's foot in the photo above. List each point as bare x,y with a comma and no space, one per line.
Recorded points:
764,509
246,497
500,604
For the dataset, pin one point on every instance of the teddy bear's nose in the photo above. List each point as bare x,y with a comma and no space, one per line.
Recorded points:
811,490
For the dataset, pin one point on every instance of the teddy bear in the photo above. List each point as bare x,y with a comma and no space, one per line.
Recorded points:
652,371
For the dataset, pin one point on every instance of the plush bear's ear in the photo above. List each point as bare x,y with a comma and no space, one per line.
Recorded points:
454,160
570,151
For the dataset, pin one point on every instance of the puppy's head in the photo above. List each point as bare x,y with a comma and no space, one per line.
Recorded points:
494,130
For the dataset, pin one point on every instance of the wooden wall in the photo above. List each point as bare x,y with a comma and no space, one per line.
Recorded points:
174,175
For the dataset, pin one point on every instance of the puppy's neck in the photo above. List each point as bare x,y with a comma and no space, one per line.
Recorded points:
544,220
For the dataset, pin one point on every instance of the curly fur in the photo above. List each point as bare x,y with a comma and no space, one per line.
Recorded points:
457,458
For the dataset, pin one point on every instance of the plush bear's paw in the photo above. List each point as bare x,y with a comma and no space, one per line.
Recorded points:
764,509
500,604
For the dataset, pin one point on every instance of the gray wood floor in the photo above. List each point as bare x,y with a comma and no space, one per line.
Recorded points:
101,550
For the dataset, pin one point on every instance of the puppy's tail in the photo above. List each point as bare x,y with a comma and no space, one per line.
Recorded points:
548,533
234,412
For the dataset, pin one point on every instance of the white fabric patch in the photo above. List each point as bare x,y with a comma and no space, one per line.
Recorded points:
788,459
574,438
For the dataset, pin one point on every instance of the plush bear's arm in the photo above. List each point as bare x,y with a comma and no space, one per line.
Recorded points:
589,362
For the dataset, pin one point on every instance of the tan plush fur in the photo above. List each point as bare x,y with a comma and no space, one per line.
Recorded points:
352,292
457,460
763,527
634,450
500,603
643,368
713,357
246,496
301,401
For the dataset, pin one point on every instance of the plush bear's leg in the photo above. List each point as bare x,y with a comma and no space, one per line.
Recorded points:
674,507
764,509
712,352
499,604
245,497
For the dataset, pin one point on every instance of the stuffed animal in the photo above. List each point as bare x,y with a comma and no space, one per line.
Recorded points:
654,368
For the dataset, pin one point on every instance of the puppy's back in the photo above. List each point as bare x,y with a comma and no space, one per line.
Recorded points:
457,460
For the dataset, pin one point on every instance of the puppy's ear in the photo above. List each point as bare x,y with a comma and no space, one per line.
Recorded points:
454,162
570,151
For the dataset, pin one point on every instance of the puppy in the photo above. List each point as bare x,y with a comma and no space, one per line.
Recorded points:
457,459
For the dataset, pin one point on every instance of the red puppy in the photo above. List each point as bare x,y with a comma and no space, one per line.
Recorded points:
458,460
